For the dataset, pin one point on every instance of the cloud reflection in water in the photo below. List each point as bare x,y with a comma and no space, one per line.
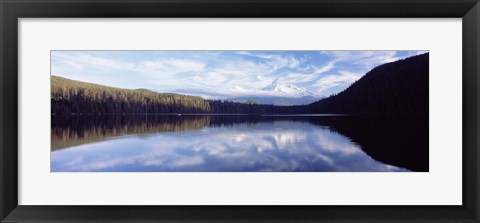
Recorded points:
263,146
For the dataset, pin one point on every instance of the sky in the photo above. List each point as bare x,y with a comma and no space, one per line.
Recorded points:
221,74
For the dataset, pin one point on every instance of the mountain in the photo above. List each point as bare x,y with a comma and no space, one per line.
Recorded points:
399,87
285,89
280,92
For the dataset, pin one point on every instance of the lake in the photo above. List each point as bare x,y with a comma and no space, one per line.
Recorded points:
239,143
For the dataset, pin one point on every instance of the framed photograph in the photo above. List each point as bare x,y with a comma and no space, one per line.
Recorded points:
228,111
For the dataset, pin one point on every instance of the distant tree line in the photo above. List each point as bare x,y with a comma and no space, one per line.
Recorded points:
219,106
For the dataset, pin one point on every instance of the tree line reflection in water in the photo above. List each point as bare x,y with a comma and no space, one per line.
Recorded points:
397,141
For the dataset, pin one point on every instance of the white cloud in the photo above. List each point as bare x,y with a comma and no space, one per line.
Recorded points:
169,66
242,72
330,65
421,52
311,73
160,72
343,79
81,60
365,59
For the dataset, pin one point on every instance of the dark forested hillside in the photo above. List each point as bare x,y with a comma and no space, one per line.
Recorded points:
399,87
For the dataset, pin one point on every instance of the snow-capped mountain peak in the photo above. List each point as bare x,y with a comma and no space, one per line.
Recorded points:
283,88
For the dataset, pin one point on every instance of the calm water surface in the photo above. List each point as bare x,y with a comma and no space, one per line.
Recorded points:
233,143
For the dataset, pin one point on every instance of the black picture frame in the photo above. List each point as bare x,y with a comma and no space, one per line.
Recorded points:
12,10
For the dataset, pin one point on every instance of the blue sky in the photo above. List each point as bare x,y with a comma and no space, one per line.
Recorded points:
220,73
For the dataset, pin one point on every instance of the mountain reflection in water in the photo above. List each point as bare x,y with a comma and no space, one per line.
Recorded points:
233,143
